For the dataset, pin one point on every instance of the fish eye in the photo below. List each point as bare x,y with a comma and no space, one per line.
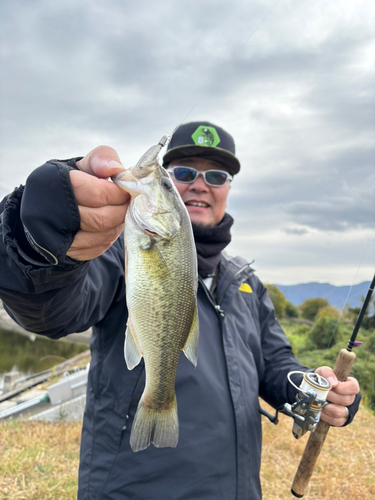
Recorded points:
167,184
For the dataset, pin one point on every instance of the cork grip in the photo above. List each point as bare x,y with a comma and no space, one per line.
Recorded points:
342,368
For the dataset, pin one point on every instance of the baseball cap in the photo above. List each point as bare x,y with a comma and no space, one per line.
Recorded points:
203,139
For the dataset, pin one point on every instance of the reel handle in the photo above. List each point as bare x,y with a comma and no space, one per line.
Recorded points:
342,368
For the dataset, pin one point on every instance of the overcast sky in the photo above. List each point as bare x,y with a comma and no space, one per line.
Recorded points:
292,80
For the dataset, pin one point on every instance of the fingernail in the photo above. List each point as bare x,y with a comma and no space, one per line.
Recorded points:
115,164
332,380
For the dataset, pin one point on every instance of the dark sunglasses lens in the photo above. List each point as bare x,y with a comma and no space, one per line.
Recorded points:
184,174
216,178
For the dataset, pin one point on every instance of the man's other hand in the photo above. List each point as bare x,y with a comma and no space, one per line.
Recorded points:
102,205
340,396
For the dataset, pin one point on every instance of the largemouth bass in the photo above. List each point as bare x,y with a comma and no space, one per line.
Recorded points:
161,285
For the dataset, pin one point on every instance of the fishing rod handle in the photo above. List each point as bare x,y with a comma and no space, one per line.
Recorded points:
342,368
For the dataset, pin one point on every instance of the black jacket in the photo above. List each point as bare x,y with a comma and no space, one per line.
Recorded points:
243,353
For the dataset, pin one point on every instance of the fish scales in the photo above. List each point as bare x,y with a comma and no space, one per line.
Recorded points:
161,285
154,297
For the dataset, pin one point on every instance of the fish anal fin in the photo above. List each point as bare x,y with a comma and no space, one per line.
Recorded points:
191,345
132,351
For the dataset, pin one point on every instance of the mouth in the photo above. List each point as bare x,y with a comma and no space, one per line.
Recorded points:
200,204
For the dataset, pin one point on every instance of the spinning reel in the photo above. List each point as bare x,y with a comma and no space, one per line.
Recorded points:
310,400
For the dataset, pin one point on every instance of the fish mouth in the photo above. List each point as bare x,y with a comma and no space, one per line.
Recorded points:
152,233
144,227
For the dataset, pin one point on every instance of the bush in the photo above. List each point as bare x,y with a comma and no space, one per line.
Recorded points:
370,343
324,333
291,310
328,312
277,298
371,402
310,307
369,322
310,346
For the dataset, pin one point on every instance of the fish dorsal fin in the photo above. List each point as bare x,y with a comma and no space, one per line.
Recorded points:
191,345
131,349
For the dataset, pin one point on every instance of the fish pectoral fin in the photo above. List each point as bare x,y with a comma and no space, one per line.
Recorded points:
191,345
155,264
162,259
132,352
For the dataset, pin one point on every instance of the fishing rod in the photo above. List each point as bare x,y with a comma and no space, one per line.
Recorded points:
310,401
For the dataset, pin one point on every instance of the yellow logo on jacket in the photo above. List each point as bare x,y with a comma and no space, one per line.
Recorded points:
245,288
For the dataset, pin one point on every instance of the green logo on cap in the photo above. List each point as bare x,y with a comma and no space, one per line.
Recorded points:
206,136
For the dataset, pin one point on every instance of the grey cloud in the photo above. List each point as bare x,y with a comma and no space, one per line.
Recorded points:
300,231
297,97
334,194
337,215
123,70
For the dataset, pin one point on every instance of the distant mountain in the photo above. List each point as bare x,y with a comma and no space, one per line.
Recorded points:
336,295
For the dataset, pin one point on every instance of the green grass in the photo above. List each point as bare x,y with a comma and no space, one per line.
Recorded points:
303,340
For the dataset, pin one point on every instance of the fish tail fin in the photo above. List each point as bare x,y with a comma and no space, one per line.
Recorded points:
159,427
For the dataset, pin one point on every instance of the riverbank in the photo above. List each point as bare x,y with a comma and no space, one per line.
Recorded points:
31,366
28,353
56,395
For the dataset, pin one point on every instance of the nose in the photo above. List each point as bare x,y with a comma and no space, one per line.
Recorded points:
199,184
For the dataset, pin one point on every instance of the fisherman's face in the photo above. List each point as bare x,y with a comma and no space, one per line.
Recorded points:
205,204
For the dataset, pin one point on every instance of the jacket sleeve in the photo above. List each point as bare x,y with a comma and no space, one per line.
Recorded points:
43,289
280,360
278,356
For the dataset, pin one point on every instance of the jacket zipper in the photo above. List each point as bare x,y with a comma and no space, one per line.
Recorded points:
210,298
216,306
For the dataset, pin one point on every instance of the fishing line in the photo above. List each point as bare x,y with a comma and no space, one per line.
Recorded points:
350,289
262,21
240,46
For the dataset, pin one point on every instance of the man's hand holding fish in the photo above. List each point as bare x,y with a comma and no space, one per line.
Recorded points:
102,206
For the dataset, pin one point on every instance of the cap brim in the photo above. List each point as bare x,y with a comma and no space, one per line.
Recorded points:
222,156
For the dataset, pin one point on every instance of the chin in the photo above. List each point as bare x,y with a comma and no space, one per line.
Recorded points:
201,223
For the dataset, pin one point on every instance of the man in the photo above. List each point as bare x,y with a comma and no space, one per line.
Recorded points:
62,270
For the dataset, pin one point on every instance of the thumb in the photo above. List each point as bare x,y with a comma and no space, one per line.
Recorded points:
328,374
103,162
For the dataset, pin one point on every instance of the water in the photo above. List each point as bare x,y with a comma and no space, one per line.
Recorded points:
19,353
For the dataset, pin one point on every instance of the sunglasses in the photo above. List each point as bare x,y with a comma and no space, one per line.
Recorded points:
187,175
